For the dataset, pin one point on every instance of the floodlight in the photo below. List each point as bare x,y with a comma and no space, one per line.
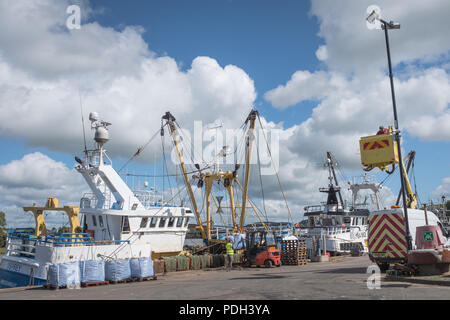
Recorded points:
372,17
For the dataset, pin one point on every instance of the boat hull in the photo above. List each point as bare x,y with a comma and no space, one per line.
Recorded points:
15,271
12,279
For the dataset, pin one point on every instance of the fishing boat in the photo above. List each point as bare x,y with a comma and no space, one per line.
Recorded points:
112,222
334,227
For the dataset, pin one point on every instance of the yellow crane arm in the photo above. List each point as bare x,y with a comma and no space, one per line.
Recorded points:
251,118
411,202
170,120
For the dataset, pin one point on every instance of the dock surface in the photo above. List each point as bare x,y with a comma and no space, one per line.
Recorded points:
345,278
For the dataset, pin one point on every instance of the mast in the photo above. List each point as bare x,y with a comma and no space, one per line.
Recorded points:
251,117
330,166
170,121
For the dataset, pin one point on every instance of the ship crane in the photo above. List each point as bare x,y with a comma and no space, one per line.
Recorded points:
226,179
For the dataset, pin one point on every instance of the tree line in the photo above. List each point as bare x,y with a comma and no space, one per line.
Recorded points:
2,229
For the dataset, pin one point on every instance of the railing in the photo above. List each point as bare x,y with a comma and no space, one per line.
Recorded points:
111,241
324,208
23,242
329,231
70,239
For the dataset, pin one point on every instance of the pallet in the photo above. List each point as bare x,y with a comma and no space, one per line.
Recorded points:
94,284
120,281
52,287
293,263
144,279
292,256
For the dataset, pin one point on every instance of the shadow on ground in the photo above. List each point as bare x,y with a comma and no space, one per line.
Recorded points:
260,277
395,286
358,270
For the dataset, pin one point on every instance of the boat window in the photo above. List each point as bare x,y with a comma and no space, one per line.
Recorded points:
94,221
144,222
356,221
347,219
188,211
179,222
171,222
186,222
153,222
125,224
162,222
100,221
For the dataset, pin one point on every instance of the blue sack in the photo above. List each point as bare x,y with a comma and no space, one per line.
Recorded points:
64,274
117,270
141,268
92,271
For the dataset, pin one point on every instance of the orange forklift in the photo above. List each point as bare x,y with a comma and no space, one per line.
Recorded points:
261,250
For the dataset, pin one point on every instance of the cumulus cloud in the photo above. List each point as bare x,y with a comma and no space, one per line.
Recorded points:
443,189
33,179
353,94
351,47
302,86
322,53
44,68
353,91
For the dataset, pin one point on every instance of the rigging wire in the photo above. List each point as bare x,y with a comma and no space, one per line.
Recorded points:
385,179
163,175
191,155
278,178
82,123
415,186
165,165
140,149
261,182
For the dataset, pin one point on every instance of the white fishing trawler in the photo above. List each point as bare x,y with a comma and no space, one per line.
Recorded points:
116,223
333,226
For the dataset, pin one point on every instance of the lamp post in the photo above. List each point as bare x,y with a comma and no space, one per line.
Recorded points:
371,19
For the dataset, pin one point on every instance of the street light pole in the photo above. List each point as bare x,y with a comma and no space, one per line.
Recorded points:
386,26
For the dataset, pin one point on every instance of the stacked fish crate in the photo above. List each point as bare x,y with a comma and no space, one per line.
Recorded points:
293,252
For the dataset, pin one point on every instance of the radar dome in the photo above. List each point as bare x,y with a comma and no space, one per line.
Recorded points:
101,135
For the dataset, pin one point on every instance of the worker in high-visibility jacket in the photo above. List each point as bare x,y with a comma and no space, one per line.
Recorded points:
230,252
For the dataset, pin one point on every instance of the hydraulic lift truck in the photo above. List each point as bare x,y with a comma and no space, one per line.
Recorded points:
259,251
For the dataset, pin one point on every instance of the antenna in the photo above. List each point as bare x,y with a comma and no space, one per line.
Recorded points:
82,124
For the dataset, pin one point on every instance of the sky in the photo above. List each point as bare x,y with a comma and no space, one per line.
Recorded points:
312,69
